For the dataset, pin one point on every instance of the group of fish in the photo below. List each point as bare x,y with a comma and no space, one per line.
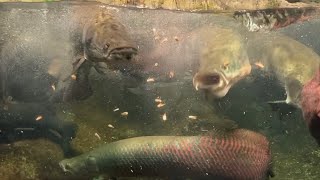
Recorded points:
218,56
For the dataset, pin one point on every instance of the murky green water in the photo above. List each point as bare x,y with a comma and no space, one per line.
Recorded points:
32,36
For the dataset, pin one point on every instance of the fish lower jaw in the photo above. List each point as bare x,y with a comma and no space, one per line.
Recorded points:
215,91
221,92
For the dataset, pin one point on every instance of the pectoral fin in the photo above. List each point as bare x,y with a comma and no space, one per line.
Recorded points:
277,102
293,89
275,105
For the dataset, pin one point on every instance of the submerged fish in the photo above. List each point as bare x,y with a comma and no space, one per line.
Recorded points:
271,19
223,60
106,40
106,46
238,154
293,63
215,56
310,105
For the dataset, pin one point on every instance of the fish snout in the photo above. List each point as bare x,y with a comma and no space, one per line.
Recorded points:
215,83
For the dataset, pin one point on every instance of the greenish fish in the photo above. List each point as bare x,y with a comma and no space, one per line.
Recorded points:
223,61
293,63
236,154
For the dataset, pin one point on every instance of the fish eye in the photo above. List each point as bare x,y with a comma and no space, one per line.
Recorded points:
225,65
129,57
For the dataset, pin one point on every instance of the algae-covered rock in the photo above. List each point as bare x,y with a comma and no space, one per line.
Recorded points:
30,159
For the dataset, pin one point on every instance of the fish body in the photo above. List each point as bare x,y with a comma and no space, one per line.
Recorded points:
310,105
98,37
272,19
242,154
293,63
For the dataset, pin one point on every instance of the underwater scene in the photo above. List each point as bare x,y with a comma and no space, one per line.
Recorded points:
97,91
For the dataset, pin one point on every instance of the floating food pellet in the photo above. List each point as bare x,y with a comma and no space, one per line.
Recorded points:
110,126
164,117
124,114
150,80
171,74
53,87
97,135
73,77
193,117
116,109
164,40
158,100
259,64
161,105
38,118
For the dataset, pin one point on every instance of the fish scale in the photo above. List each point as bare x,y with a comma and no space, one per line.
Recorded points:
196,157
240,154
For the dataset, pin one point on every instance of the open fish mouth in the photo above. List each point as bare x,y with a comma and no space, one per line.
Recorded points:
123,53
215,83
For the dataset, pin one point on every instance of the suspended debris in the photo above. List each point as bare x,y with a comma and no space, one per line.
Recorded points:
38,118
158,100
73,77
150,80
161,105
97,135
116,109
164,117
110,126
124,114
53,87
259,64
